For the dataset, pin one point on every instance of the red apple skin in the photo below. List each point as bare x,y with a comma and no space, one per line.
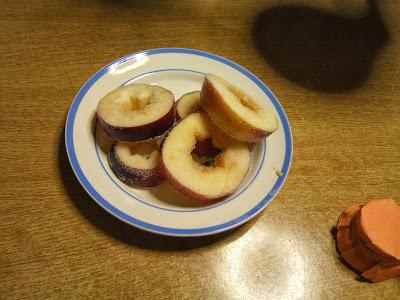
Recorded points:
184,190
132,176
142,132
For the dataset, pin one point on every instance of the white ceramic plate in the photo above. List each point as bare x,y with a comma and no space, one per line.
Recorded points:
161,209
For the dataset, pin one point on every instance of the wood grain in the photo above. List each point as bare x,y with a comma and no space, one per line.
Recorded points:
57,243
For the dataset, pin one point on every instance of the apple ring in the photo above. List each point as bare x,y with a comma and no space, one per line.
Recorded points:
198,179
136,112
235,112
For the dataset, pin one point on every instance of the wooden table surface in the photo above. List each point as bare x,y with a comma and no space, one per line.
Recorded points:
334,66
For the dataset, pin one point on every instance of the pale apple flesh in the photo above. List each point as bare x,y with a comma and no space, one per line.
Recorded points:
136,112
236,113
136,164
187,104
194,178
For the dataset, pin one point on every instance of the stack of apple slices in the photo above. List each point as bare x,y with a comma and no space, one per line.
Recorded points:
135,117
198,144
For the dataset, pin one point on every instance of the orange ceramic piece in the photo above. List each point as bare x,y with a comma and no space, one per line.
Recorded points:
344,240
349,244
368,238
380,228
347,215
380,272
359,259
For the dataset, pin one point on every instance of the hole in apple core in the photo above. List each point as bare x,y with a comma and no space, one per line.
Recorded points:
136,103
144,149
244,99
246,102
205,153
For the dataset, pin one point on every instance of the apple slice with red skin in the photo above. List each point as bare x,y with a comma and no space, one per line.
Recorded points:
235,112
188,104
136,164
204,181
136,112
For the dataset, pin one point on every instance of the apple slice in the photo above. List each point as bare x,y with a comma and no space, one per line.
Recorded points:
235,112
136,164
212,179
187,104
136,112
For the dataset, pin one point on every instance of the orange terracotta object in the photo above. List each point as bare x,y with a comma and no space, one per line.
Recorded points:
380,228
368,238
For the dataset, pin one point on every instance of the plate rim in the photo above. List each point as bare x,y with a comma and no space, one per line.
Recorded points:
270,195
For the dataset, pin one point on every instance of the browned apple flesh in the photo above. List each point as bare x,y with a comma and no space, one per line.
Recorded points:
205,147
198,179
187,104
136,112
136,164
235,112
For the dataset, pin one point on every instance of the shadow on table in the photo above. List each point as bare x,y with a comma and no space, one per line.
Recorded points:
319,50
118,229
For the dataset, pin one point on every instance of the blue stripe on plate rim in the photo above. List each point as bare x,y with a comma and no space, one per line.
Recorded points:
120,187
167,230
